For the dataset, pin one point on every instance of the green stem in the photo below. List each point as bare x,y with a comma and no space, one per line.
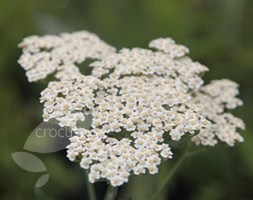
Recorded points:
165,182
90,188
111,193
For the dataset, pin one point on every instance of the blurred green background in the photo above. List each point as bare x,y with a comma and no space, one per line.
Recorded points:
219,34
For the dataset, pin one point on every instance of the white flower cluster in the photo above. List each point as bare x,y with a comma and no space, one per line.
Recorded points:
139,100
213,100
45,55
169,46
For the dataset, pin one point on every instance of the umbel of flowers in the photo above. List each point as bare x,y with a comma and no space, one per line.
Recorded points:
135,97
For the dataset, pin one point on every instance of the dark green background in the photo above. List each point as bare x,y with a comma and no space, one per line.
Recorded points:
219,34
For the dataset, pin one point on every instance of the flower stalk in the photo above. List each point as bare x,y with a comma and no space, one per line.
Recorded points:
111,193
90,188
169,176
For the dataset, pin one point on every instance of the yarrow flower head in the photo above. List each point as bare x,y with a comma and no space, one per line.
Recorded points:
136,100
